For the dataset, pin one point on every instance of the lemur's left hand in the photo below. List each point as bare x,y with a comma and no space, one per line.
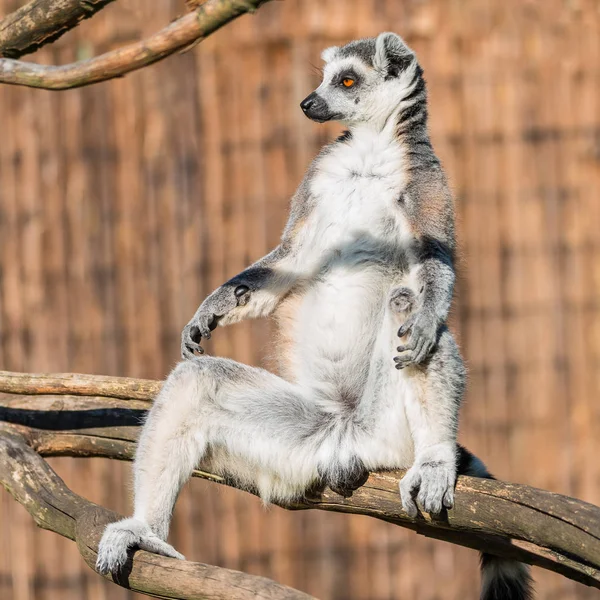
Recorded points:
421,327
218,304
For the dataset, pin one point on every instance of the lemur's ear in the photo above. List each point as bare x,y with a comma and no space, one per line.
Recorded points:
392,55
328,54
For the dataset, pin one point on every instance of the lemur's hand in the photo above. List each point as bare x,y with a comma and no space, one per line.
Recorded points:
421,327
217,305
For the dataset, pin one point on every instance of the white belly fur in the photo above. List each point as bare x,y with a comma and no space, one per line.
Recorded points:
340,329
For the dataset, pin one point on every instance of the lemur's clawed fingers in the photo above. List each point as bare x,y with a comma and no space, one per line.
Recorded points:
407,347
403,361
188,353
188,344
422,352
407,326
421,329
419,353
199,327
407,354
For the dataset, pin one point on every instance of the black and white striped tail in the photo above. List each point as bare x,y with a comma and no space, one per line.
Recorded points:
501,578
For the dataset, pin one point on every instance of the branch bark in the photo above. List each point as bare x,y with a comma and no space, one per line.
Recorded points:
42,22
192,27
535,526
53,506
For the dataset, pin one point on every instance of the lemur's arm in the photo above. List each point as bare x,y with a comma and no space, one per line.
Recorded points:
257,290
253,293
430,210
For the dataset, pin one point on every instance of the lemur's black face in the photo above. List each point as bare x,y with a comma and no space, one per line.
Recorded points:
362,81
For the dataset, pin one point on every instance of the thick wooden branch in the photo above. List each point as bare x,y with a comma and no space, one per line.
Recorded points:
192,27
31,481
79,384
41,22
535,526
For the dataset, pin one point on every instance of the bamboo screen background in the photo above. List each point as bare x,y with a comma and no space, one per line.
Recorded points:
122,205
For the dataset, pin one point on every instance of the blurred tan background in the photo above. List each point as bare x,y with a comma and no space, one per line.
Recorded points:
124,204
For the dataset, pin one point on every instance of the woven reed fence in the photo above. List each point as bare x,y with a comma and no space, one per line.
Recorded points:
122,205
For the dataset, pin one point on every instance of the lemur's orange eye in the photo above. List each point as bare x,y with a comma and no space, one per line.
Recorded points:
348,82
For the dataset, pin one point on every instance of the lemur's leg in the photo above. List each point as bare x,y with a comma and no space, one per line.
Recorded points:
245,421
436,390
432,411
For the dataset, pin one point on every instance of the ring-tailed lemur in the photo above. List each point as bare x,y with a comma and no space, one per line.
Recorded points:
367,256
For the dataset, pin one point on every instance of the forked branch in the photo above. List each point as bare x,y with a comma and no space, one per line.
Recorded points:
191,28
31,481
84,415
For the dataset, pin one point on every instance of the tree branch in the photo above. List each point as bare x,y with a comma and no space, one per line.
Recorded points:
535,526
53,506
41,22
192,27
79,384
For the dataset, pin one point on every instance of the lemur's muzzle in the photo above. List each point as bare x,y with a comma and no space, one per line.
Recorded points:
315,108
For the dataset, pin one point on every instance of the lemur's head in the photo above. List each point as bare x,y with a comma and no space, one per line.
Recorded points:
363,81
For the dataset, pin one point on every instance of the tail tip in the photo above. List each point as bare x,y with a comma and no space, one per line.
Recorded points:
505,579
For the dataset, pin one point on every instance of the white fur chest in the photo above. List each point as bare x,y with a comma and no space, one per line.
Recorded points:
356,218
357,185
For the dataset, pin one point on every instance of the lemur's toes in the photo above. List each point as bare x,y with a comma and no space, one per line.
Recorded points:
436,491
448,500
431,484
409,487
402,299
157,546
120,538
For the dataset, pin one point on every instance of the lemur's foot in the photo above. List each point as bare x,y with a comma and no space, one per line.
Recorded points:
345,482
119,537
431,483
402,300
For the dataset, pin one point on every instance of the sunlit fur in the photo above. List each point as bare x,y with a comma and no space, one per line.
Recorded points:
370,226
378,97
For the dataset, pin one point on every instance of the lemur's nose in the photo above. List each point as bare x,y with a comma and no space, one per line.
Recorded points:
308,101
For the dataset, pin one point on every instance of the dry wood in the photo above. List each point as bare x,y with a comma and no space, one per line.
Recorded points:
79,385
41,22
554,532
192,27
32,482
116,205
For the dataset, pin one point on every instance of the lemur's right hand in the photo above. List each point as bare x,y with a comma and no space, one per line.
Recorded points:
217,305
